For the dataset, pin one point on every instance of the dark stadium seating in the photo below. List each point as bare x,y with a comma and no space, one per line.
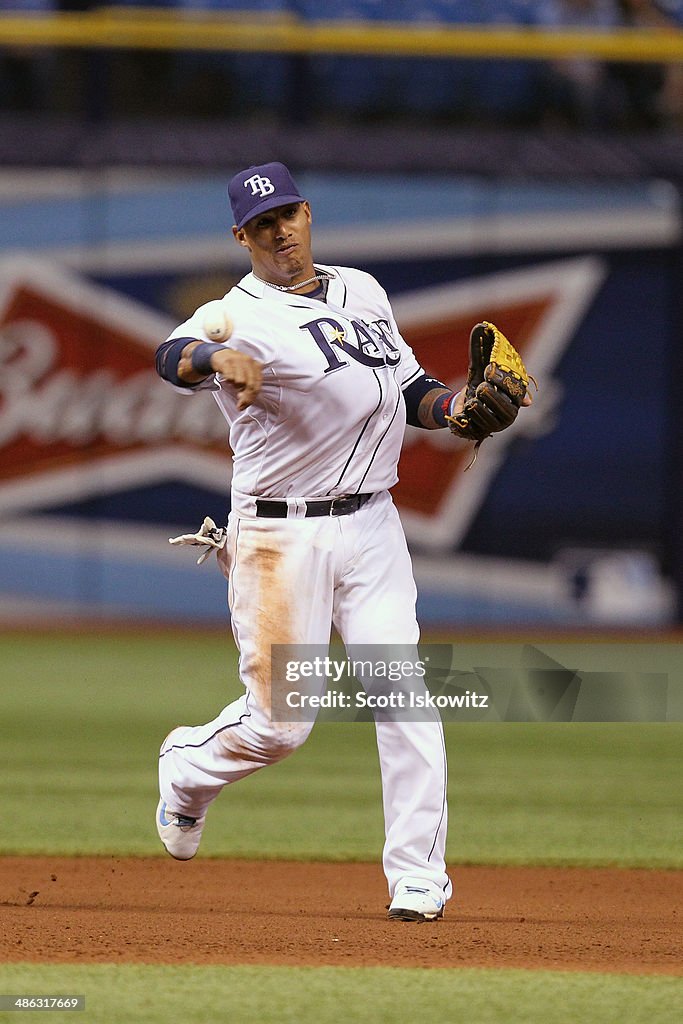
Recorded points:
337,87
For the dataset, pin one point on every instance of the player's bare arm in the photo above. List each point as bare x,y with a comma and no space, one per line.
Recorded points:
433,401
427,410
237,368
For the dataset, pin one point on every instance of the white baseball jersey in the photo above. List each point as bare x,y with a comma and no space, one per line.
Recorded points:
330,417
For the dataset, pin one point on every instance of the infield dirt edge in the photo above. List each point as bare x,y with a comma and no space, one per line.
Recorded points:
208,911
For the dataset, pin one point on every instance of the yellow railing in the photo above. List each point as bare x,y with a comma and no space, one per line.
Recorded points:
154,29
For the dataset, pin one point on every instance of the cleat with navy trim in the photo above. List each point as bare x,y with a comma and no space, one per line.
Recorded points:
179,833
416,899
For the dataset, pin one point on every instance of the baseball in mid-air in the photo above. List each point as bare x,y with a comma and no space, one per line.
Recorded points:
217,324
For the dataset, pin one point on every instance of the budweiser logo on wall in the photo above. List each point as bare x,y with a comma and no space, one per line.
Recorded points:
82,411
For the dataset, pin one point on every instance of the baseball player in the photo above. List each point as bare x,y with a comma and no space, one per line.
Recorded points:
316,385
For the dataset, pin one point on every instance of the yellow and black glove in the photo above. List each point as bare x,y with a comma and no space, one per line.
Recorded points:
497,381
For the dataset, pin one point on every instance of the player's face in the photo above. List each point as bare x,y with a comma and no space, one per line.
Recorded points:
279,243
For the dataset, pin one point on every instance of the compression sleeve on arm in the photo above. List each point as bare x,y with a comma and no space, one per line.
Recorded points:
414,394
167,358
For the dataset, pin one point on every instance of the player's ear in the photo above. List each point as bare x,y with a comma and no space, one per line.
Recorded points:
307,210
239,236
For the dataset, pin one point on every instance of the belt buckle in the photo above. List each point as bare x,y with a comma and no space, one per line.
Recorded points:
342,499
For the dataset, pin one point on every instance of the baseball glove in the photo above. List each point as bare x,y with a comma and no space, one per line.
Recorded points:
497,381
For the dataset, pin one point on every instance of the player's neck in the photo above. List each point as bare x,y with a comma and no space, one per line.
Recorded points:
310,283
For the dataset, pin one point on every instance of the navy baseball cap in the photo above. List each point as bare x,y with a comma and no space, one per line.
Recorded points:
261,188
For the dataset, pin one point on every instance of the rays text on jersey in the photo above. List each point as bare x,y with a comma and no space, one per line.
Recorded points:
367,343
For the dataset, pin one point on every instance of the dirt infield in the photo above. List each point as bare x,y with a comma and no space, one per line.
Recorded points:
155,910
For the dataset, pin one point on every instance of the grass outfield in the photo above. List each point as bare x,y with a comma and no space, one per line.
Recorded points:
82,718
121,994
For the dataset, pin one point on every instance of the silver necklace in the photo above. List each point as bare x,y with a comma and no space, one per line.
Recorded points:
295,287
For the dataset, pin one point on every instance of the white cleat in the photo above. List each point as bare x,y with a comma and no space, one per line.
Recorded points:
179,833
416,899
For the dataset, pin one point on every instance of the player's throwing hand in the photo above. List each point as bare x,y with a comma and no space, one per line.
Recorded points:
199,360
239,369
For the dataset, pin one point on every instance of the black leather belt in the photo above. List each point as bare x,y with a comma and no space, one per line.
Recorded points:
269,508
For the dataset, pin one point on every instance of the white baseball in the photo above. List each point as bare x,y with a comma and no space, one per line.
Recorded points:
217,324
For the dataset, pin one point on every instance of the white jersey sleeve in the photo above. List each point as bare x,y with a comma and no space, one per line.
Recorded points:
194,328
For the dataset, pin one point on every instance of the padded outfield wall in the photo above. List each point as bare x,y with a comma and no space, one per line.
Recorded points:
100,462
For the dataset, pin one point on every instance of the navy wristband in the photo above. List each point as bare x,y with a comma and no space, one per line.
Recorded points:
442,408
201,356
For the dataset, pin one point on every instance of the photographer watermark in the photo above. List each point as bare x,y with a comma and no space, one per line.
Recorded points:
580,682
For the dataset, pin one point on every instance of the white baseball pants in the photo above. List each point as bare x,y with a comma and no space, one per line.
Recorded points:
289,580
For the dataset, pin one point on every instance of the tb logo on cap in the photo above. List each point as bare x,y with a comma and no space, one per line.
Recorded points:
260,185
260,188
